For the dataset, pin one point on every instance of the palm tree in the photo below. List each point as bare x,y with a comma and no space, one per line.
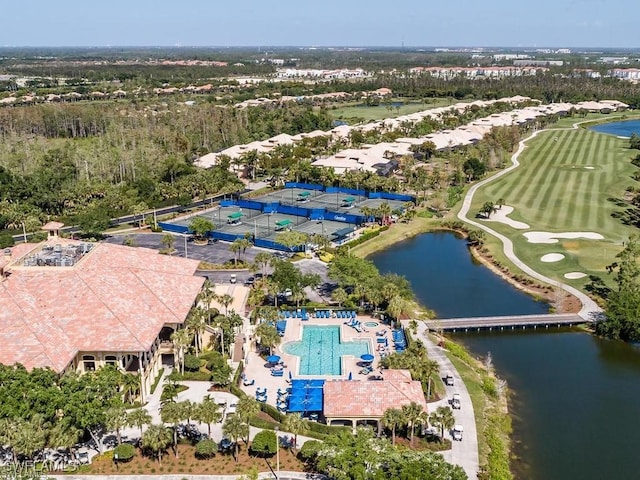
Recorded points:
443,419
116,420
225,300
130,386
272,291
268,335
244,244
235,428
207,295
30,437
173,413
340,296
196,324
168,241
411,413
263,259
235,248
247,408
392,419
181,340
295,424
429,368
138,418
64,435
487,209
157,438
8,433
208,411
384,210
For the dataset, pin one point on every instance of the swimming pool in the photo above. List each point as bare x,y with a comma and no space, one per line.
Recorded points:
321,350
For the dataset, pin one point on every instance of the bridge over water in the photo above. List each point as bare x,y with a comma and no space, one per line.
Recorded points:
509,322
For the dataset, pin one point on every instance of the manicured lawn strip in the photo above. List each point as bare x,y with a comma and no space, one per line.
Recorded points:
550,195
473,383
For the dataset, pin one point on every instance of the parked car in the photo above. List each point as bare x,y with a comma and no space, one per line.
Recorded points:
249,281
231,409
234,278
455,401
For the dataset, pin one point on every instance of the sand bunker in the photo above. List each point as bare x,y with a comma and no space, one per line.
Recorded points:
574,275
501,216
551,257
549,237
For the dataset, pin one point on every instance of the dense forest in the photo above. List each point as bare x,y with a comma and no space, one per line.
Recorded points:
102,160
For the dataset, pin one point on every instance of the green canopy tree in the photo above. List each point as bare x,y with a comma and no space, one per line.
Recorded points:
200,226
622,309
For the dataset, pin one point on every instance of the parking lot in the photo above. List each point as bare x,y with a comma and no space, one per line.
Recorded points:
218,253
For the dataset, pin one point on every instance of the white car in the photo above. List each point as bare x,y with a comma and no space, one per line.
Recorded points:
455,402
456,433
231,409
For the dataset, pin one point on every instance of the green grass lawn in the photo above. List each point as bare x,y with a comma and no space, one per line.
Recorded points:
565,183
357,113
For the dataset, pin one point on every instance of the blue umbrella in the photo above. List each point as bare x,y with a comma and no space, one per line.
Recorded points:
367,357
274,359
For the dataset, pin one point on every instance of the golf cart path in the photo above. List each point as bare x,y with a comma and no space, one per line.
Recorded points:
463,453
590,310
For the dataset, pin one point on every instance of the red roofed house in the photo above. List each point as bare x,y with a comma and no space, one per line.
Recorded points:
77,306
366,401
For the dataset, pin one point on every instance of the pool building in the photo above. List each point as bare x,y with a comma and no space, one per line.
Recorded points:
322,357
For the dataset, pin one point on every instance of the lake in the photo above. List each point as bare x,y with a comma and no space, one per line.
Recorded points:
619,129
447,279
575,397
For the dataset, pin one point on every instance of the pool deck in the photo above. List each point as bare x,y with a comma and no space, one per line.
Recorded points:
257,369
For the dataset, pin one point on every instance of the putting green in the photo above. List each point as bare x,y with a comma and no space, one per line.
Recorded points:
567,181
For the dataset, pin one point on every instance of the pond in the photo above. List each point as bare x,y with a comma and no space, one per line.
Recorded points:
447,279
619,129
575,397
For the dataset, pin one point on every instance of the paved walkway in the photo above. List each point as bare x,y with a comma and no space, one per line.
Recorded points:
463,453
282,475
590,310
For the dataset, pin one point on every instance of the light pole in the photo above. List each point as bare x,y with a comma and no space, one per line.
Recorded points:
276,429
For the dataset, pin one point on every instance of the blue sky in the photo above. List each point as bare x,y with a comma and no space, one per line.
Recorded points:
562,23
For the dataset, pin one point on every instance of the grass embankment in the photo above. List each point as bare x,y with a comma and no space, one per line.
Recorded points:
493,422
397,233
568,181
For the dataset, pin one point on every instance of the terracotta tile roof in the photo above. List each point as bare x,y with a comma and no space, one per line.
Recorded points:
115,298
52,226
371,398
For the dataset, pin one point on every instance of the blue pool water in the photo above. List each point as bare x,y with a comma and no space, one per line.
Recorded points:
619,129
321,349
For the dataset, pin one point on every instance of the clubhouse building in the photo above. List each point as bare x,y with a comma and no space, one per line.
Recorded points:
76,306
